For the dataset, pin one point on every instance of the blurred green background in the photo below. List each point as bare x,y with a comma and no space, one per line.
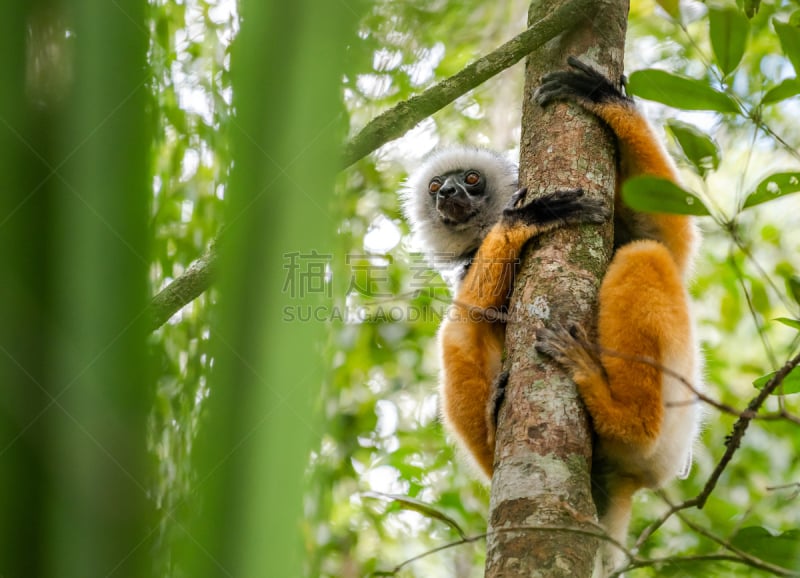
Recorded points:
264,428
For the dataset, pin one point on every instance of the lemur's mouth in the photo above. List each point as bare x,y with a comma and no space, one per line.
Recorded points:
455,210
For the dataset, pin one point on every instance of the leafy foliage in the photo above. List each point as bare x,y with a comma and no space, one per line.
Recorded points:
699,148
679,91
729,75
772,187
728,28
385,373
657,195
190,164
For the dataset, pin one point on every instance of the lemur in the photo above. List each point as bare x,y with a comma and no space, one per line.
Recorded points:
472,222
633,378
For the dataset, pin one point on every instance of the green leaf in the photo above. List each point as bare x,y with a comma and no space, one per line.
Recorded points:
793,323
671,7
773,187
701,150
656,195
791,383
679,91
794,288
786,89
782,550
751,7
790,42
728,29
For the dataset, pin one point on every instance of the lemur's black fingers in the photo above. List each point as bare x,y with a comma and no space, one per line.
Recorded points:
496,402
547,343
578,64
555,342
592,211
565,85
517,198
557,202
584,82
567,206
549,207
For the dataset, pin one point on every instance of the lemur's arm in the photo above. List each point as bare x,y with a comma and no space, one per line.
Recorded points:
472,335
642,413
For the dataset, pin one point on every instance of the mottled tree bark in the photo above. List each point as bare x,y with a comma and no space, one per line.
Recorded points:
541,507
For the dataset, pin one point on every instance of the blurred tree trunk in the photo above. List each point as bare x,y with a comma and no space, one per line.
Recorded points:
24,305
252,453
74,470
543,452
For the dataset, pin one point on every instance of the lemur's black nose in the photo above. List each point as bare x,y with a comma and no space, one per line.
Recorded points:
448,189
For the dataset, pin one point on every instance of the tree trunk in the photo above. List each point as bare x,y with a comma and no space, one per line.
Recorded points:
541,494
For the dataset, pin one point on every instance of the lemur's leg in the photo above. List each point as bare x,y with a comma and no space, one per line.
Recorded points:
631,381
643,328
472,336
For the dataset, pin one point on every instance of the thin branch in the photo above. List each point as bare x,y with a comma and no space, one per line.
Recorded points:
398,120
795,487
184,289
746,558
741,425
737,555
390,125
427,553
643,563
732,444
418,506
655,525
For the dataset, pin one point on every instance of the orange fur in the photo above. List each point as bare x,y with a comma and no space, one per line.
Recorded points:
642,154
471,357
472,339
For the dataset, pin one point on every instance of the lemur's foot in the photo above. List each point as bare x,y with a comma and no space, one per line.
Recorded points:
569,347
581,83
494,405
568,207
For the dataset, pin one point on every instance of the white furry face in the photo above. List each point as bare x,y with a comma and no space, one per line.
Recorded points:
451,242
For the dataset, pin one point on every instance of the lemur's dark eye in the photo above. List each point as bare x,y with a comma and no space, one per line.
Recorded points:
472,178
434,185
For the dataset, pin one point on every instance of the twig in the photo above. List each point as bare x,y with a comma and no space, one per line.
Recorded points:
643,563
746,558
184,289
740,427
427,553
651,529
420,507
390,125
